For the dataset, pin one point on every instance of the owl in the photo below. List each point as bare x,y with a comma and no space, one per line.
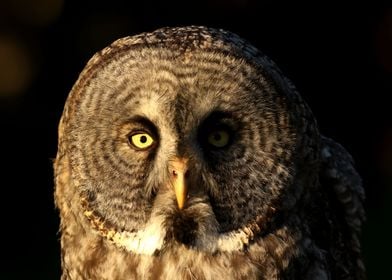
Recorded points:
185,153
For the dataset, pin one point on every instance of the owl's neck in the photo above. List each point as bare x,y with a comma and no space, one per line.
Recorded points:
151,239
86,252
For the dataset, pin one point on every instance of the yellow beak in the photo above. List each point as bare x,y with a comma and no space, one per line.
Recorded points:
178,173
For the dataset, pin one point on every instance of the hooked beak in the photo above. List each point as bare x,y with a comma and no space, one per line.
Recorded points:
178,173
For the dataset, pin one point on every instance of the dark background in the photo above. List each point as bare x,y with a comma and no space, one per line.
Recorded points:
339,57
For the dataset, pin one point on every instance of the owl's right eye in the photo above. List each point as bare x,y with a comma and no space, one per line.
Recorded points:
141,140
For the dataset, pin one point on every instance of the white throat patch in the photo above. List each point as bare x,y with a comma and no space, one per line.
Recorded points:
150,239
145,241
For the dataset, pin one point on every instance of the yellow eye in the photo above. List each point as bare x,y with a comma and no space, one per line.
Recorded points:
141,140
219,138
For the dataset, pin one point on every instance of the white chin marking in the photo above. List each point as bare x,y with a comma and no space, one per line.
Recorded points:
145,241
150,239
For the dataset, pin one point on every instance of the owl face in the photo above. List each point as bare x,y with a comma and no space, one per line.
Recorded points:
179,146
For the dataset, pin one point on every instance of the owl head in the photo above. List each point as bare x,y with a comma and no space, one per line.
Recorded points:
184,137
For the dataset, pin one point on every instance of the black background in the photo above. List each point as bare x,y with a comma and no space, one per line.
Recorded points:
339,57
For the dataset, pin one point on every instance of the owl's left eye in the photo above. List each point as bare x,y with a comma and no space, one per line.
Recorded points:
141,140
219,138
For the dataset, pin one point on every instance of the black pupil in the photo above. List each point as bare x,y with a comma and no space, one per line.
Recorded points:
143,139
217,136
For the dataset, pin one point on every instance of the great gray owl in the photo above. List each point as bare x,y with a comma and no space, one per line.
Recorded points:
185,154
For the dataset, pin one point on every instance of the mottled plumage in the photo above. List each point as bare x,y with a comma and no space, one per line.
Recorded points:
185,154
